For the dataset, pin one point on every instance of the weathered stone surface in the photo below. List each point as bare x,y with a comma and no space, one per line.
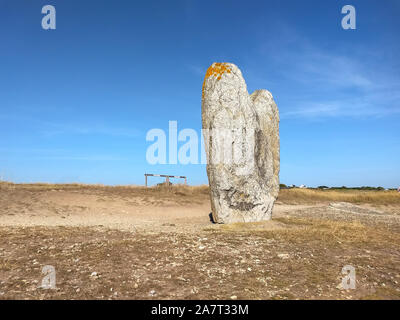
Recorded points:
241,134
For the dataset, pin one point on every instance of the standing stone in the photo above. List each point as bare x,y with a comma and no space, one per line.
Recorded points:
241,135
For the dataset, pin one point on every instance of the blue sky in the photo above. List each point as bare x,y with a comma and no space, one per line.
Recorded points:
76,102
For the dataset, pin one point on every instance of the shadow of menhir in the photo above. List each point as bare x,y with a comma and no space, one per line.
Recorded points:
211,218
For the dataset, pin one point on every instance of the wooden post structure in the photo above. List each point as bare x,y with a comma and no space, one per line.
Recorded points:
167,177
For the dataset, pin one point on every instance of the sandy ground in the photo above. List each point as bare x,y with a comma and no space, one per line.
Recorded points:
97,208
111,243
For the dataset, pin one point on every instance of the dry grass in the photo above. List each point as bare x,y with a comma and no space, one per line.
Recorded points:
180,189
317,249
308,230
286,196
301,196
354,233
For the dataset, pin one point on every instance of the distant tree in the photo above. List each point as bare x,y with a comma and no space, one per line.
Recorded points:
323,187
283,186
368,188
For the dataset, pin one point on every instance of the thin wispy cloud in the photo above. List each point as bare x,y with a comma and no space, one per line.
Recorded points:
71,129
197,70
333,84
313,111
61,154
94,158
49,128
342,108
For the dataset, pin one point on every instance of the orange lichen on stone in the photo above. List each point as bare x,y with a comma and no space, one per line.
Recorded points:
216,70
